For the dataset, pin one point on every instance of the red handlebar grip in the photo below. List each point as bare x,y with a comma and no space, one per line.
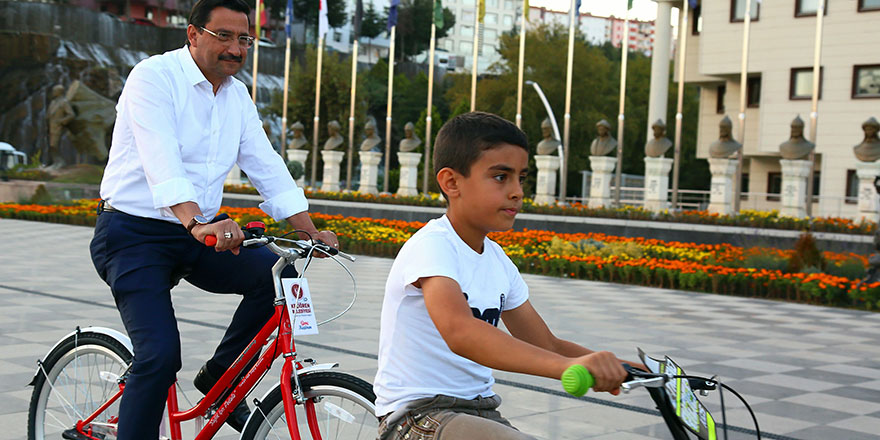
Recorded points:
210,240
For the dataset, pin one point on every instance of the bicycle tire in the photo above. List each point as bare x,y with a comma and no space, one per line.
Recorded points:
87,356
339,398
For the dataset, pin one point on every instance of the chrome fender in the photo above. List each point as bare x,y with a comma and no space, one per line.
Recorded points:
299,373
115,334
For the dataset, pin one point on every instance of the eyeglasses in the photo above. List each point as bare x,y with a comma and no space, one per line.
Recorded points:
245,41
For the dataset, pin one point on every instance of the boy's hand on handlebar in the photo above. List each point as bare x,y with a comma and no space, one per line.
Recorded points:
606,370
221,230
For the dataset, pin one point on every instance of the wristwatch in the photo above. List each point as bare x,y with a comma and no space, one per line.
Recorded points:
196,220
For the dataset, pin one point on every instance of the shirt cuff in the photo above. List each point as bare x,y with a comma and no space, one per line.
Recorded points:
286,204
172,192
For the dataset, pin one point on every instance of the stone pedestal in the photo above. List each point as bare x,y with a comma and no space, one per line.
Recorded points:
332,159
869,202
545,193
409,173
600,183
723,174
299,156
657,183
234,176
795,174
369,171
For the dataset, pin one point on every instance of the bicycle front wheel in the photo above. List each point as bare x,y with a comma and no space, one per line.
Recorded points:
344,406
74,380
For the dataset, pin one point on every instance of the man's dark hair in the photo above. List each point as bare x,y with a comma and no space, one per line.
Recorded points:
463,139
201,11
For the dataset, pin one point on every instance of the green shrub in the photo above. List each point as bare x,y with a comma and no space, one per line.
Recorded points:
852,269
762,261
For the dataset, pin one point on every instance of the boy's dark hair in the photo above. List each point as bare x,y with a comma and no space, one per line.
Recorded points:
201,11
462,140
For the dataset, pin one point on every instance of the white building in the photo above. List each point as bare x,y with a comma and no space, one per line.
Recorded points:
599,30
782,40
501,16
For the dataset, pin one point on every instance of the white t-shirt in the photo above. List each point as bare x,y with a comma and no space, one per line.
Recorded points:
414,360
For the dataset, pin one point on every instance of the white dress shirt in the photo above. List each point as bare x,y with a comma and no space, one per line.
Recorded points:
175,141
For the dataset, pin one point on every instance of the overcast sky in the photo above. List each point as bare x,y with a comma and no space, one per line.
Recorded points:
642,9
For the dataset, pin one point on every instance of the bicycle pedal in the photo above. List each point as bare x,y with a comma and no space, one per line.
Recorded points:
73,434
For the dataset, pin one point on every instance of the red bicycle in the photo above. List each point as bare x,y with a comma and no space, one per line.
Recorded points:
78,384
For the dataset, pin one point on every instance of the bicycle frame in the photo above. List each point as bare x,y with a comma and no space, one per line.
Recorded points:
283,345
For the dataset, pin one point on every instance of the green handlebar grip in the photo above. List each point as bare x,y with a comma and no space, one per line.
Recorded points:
576,380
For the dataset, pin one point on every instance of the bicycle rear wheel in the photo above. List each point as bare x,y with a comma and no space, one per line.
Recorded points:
74,380
344,405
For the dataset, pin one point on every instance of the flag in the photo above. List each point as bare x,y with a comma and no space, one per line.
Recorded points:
392,15
481,10
438,14
264,15
288,18
629,4
526,8
692,4
323,24
577,7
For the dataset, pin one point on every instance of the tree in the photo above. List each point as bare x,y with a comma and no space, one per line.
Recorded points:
372,25
307,10
414,19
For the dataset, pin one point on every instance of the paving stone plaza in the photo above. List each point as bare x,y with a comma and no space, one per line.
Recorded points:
808,372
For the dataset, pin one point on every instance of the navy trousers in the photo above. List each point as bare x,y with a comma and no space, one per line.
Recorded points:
141,260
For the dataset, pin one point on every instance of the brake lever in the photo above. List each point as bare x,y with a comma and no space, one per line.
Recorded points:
650,382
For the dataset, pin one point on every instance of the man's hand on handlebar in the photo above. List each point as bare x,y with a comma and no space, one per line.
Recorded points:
221,230
328,238
606,370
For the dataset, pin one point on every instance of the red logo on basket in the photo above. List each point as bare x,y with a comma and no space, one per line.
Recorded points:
297,292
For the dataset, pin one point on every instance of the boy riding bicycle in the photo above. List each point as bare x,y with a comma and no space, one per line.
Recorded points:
434,379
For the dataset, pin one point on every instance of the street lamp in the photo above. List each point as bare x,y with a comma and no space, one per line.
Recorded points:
555,132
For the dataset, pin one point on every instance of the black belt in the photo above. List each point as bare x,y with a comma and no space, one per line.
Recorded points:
103,206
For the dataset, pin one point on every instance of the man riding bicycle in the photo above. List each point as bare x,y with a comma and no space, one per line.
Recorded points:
182,123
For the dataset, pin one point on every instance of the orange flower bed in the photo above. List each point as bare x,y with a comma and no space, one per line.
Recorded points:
687,266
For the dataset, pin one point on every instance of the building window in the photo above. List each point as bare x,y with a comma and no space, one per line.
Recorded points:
753,91
491,19
490,35
719,99
696,21
465,46
507,20
492,3
467,16
467,31
508,5
738,10
337,36
866,81
801,83
808,8
869,5
744,186
774,186
852,187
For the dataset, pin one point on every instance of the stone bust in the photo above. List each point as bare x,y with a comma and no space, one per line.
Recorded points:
796,147
410,141
658,146
371,138
725,146
335,140
604,143
549,144
869,149
299,140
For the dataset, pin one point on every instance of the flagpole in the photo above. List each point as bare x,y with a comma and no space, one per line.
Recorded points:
743,85
256,54
348,169
284,103
522,54
388,110
317,119
428,119
682,57
474,63
563,170
618,174
814,114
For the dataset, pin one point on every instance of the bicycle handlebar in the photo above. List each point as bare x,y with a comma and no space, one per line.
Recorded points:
251,239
